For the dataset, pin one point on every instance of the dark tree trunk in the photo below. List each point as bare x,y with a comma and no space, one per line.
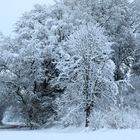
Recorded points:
88,98
117,74
88,112
35,87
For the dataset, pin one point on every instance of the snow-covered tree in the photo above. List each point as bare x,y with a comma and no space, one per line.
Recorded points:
89,73
35,67
72,63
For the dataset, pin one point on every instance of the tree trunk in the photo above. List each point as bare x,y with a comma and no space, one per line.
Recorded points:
87,96
88,112
2,111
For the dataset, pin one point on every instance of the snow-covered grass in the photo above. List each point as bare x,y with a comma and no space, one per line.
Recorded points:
70,135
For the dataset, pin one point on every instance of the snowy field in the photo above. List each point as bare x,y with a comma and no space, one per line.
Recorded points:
77,135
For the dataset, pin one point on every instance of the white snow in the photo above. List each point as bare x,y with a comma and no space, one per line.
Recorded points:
65,135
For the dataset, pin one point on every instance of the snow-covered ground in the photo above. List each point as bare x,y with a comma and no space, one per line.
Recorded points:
65,135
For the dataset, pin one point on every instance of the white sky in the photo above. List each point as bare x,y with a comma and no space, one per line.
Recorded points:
11,10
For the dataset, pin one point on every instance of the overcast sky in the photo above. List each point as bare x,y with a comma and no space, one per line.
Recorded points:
11,10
